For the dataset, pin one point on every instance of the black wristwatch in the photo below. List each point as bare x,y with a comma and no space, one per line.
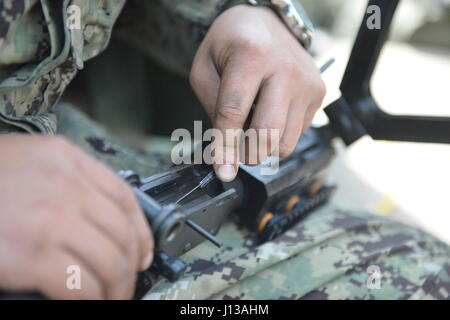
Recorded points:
291,12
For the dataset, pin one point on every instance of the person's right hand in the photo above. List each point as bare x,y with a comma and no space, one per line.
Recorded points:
59,207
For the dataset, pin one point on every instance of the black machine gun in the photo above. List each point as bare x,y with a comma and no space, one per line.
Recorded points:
187,205
270,204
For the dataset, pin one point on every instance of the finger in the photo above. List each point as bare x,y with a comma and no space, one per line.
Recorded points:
311,112
107,218
115,189
205,82
64,276
293,129
320,90
103,259
269,118
309,116
238,89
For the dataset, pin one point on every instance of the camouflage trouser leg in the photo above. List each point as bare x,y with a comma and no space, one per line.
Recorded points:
332,254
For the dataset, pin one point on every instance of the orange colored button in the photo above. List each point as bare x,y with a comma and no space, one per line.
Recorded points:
291,203
263,222
315,188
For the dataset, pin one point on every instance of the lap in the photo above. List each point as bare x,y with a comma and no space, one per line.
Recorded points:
331,254
325,256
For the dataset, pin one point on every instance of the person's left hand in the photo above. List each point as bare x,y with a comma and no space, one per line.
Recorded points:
249,56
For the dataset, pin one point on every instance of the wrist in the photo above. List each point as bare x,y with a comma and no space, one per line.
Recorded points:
290,12
233,3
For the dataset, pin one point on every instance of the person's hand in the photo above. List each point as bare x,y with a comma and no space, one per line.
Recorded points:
59,208
249,56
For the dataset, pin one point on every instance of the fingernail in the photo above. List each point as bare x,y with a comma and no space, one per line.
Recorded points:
147,261
226,172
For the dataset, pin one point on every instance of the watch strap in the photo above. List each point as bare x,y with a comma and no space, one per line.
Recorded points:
267,3
233,3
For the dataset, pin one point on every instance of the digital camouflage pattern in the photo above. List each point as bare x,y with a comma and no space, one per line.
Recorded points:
38,60
329,255
40,54
325,256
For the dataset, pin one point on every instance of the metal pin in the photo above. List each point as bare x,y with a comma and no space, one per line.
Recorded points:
202,184
204,233
326,65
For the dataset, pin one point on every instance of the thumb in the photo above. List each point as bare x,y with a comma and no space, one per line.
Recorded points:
237,92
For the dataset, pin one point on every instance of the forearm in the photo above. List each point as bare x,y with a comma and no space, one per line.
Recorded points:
40,55
170,31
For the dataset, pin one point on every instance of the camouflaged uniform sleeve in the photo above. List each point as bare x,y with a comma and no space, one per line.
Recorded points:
170,31
42,44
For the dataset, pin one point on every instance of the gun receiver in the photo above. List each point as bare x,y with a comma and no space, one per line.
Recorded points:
189,195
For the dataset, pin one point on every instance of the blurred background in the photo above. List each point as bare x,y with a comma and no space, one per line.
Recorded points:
408,181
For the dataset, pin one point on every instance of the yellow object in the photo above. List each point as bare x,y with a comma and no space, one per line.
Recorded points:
291,203
315,188
264,220
385,206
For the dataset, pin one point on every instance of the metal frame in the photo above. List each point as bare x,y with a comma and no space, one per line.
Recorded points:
356,113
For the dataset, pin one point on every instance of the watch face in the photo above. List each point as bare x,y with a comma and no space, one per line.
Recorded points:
295,17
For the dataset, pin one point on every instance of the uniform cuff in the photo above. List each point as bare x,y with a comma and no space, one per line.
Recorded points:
233,3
